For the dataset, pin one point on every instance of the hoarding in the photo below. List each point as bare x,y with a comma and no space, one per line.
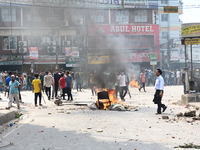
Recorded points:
134,43
33,52
190,30
98,58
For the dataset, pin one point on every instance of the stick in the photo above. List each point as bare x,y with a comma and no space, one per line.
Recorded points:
129,93
43,99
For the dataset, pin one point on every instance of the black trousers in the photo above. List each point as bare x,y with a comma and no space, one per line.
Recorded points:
56,90
63,92
69,93
117,89
40,97
142,86
48,92
123,92
157,100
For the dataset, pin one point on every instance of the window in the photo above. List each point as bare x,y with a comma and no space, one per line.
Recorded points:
9,42
78,15
141,16
37,15
97,15
164,35
122,16
164,17
8,14
164,1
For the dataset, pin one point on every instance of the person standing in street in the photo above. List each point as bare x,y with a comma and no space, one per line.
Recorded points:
159,87
142,80
13,92
37,89
122,85
178,77
78,81
48,82
56,76
69,86
62,83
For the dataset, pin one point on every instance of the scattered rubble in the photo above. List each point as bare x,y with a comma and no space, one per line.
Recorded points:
165,117
58,102
190,114
179,114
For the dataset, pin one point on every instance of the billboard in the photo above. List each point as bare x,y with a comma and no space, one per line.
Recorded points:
98,58
134,43
190,30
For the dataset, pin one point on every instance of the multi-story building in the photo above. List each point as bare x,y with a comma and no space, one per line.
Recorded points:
66,32
170,34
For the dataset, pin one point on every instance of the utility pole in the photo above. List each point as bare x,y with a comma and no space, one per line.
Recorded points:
168,52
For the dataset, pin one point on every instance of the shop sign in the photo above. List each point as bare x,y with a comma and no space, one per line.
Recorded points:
98,58
170,9
192,41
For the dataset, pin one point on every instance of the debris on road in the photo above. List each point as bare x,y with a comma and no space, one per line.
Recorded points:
190,114
190,145
58,102
179,114
165,117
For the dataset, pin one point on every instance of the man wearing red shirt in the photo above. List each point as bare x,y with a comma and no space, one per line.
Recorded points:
62,83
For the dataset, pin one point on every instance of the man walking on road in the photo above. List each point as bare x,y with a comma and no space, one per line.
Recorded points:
48,82
37,89
122,85
142,81
13,92
159,86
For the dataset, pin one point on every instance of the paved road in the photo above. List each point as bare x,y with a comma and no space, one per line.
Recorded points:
71,127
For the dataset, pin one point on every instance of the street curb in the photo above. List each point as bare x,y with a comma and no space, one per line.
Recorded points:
7,117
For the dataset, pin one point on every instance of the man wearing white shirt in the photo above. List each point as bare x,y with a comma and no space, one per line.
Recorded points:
122,85
159,87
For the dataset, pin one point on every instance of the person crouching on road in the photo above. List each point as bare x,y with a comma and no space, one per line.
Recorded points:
159,86
13,92
37,89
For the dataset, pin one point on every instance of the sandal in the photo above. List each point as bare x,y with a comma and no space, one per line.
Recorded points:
7,108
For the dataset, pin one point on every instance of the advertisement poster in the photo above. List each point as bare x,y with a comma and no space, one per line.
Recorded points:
33,51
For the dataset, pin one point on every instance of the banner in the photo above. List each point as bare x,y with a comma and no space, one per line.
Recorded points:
190,30
74,52
98,58
33,51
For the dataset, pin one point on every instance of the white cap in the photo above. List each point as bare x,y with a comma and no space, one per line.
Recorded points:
12,75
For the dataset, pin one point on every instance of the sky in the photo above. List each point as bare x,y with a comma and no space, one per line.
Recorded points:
191,14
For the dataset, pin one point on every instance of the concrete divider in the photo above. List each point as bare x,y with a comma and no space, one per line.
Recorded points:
6,117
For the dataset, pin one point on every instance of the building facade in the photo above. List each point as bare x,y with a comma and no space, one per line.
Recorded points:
170,34
73,33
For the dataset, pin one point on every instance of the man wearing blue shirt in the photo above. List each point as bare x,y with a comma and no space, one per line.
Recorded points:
14,92
69,86
159,87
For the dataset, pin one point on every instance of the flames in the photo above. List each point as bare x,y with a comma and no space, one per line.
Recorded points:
134,83
106,103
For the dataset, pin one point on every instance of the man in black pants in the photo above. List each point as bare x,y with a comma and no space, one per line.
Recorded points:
159,86
37,89
69,86
56,83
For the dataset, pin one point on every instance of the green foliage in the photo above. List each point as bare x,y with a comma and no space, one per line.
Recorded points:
18,115
190,145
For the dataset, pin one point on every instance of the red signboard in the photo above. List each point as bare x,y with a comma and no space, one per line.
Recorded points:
133,42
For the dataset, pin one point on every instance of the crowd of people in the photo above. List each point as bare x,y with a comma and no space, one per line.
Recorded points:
58,84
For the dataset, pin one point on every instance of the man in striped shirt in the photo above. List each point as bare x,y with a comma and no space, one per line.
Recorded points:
159,86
